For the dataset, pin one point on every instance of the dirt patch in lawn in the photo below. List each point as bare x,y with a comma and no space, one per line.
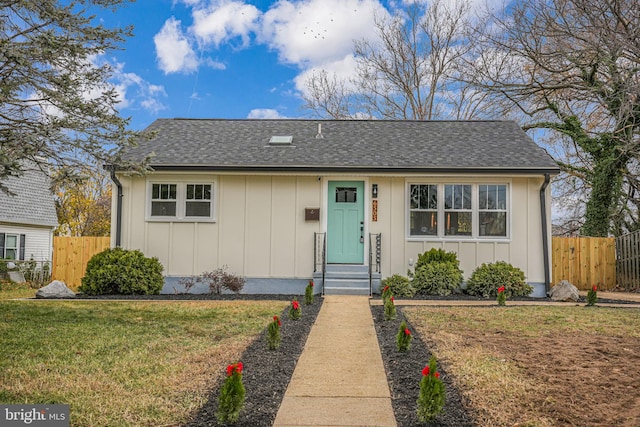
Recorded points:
533,375
585,380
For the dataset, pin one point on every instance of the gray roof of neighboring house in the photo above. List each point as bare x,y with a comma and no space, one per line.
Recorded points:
33,202
347,145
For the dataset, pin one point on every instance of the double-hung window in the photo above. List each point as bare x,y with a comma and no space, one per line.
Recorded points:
423,210
492,210
453,210
181,201
12,246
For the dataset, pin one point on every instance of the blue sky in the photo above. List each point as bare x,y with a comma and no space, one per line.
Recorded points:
230,58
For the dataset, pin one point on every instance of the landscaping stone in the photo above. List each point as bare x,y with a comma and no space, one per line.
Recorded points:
55,289
564,291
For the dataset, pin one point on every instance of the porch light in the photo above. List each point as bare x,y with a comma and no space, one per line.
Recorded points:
374,191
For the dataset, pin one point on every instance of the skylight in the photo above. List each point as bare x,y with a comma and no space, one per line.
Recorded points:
281,140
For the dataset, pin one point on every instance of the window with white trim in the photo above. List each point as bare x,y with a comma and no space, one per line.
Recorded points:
181,201
12,246
452,210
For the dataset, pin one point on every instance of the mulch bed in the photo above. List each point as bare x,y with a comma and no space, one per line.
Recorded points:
404,371
266,372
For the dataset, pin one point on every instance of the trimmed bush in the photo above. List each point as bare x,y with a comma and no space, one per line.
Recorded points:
122,272
487,278
399,286
437,278
437,255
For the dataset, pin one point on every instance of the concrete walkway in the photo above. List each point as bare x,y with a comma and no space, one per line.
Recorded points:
339,379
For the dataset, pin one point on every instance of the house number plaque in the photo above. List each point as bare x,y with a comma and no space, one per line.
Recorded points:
374,211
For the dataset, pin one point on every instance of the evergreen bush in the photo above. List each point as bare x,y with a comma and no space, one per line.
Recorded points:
437,255
431,399
486,279
308,293
232,395
399,286
403,338
273,334
123,272
295,311
389,309
437,278
592,296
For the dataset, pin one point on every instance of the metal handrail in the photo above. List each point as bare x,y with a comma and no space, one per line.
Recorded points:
378,247
320,256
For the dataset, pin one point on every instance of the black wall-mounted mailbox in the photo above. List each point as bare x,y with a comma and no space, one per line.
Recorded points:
312,214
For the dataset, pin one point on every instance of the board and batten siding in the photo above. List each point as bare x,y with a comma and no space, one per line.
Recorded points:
260,230
523,249
39,240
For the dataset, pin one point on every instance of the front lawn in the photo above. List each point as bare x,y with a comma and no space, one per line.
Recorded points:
539,366
123,363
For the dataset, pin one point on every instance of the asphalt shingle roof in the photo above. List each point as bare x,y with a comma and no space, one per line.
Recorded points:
32,203
371,145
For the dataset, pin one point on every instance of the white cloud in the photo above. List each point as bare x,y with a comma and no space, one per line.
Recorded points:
264,113
135,92
343,69
315,32
225,21
174,50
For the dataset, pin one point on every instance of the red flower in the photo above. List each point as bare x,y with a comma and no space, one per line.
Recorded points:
311,283
425,371
595,289
277,319
437,375
385,288
501,289
295,304
392,300
237,367
407,331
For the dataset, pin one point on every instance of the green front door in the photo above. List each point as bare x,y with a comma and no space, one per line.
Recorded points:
345,222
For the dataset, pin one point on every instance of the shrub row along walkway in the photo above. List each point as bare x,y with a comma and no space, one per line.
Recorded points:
339,379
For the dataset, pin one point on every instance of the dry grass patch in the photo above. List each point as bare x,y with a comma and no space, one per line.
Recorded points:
539,366
11,290
123,363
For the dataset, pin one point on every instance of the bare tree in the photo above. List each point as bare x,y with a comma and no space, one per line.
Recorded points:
410,71
572,68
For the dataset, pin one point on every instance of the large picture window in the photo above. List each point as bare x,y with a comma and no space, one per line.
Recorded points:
453,210
181,201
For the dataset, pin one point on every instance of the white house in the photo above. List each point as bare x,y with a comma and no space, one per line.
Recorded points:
346,202
27,218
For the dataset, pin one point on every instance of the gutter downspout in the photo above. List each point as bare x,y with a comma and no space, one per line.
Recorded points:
118,205
545,236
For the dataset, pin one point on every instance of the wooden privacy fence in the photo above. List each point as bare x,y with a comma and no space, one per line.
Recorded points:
584,261
71,255
628,265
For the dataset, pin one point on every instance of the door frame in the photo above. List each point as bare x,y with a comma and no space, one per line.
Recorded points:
366,211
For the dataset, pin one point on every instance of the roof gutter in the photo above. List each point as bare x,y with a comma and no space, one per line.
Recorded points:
545,234
118,206
351,169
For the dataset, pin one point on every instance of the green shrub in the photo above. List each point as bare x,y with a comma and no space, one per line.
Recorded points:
232,395
437,255
487,278
389,309
437,278
432,395
308,293
403,338
273,334
120,271
399,286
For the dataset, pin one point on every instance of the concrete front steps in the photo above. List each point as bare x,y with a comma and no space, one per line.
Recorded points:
347,279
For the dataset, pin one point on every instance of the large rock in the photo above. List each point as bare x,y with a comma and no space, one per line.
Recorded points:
564,291
55,289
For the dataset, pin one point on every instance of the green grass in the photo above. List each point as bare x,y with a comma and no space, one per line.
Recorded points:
123,363
11,290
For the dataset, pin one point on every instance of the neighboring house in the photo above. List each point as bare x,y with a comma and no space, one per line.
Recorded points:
258,196
27,218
